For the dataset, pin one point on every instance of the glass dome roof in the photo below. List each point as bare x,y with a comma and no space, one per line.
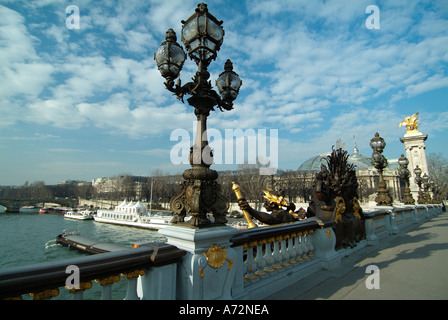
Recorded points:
314,163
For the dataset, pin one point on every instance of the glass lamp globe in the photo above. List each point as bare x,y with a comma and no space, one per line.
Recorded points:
229,83
170,57
377,143
403,161
417,171
202,35
376,157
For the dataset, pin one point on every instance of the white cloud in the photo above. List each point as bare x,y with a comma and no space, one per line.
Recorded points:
23,72
434,82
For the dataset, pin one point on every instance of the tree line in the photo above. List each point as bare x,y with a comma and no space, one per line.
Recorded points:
297,186
39,190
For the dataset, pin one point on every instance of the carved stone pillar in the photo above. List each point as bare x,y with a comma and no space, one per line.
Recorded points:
414,145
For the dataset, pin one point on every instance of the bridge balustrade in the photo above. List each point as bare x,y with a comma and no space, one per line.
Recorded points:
46,280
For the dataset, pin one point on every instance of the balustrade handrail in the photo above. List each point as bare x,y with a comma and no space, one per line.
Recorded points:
16,281
255,234
376,213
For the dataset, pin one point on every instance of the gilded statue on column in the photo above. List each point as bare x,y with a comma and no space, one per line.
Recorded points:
411,123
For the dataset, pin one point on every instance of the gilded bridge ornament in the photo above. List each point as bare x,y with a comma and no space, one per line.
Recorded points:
216,256
274,204
356,208
239,196
411,123
340,209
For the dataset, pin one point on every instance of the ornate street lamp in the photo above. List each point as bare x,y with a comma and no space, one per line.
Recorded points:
380,162
418,181
425,179
404,174
202,35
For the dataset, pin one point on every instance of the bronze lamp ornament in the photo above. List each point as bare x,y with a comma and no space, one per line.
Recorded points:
404,174
418,181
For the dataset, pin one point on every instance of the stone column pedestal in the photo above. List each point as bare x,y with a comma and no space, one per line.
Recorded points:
414,145
208,270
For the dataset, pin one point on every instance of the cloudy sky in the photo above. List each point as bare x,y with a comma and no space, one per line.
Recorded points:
90,102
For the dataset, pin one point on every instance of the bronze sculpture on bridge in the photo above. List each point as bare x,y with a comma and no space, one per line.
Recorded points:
274,203
335,200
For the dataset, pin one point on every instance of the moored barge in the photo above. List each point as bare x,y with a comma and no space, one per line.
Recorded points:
87,245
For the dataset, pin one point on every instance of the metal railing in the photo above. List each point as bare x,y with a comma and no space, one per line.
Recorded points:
42,281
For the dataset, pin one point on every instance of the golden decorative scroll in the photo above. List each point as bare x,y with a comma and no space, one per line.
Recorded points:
82,286
133,274
108,280
46,294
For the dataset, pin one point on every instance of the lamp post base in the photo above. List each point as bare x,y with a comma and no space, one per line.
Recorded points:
407,197
200,195
383,198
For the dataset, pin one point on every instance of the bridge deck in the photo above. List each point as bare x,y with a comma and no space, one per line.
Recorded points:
412,265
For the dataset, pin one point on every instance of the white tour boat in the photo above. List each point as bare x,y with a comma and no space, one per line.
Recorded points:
79,215
135,215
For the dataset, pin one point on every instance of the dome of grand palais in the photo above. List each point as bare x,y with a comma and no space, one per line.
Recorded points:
361,162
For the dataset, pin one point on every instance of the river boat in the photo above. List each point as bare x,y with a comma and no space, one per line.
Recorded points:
59,210
135,215
29,209
79,215
55,210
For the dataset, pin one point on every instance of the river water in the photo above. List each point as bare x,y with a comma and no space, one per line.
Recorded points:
30,238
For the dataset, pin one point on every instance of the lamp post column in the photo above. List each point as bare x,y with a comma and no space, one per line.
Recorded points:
404,174
380,162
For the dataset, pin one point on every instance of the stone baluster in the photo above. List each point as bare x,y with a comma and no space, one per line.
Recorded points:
106,283
78,294
277,255
284,252
261,262
291,251
250,263
298,247
305,248
269,258
310,243
131,292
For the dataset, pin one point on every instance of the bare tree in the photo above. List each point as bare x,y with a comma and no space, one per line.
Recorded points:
252,183
286,181
438,171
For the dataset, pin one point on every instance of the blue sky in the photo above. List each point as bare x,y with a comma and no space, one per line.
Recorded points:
87,103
